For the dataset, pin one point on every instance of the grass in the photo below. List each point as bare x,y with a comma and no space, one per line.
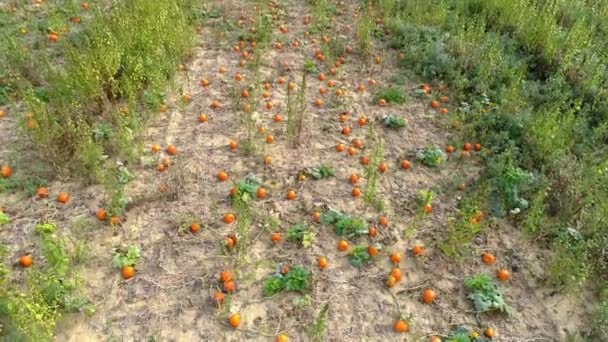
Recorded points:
345,225
296,111
484,294
390,95
317,330
463,228
75,106
31,312
372,174
297,279
531,89
365,29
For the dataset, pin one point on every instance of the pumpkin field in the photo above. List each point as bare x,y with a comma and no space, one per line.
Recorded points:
312,170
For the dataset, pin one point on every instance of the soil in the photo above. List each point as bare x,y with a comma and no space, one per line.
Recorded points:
170,298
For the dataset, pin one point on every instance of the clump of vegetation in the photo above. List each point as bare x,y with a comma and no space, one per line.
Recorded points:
297,279
359,256
301,234
372,173
130,257
345,225
431,156
394,122
599,326
246,188
4,218
462,334
77,107
530,97
296,111
32,312
485,294
310,66
319,172
317,330
390,95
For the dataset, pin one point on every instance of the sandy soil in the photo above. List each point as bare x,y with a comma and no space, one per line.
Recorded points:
170,297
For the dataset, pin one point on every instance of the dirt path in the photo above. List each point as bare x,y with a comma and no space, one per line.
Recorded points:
170,297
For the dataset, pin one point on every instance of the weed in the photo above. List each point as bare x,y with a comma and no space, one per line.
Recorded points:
317,330
425,199
322,11
394,122
296,110
365,29
463,228
507,180
297,279
359,256
320,172
344,225
542,118
599,326
390,95
301,234
431,156
568,267
111,63
485,294
31,313
4,218
372,174
273,285
243,211
246,188
130,257
310,67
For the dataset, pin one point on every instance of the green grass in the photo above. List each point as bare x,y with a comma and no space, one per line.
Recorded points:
296,111
317,331
297,279
484,294
31,312
391,95
106,65
372,174
531,88
345,225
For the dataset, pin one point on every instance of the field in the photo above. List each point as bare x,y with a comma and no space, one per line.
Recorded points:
320,170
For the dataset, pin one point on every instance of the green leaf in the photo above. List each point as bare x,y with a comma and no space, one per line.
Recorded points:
45,228
431,156
273,285
485,294
4,219
394,122
320,172
297,279
359,256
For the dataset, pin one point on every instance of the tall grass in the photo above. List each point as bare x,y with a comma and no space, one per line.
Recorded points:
533,86
92,71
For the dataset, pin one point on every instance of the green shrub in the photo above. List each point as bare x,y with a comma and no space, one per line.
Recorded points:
390,95
320,172
30,313
130,257
345,225
394,122
301,234
359,256
431,156
298,279
485,294
132,47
